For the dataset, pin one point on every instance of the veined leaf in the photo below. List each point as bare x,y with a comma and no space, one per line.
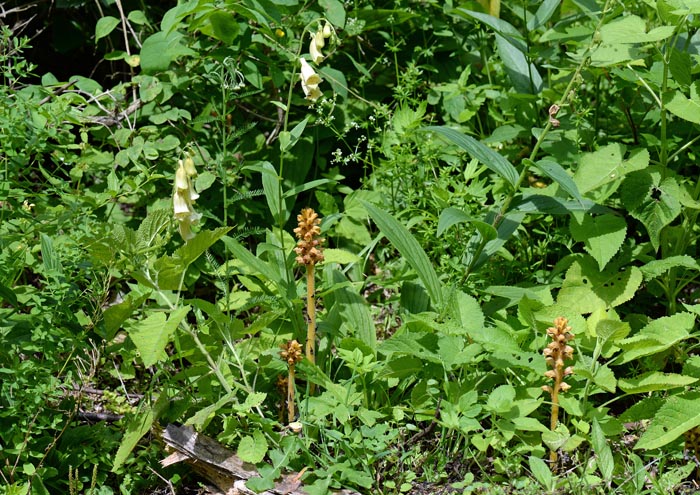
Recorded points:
631,29
606,167
557,173
152,335
656,268
409,248
493,160
541,472
678,415
253,448
452,216
653,381
681,106
500,26
550,205
602,235
152,226
543,14
522,73
586,288
604,457
658,336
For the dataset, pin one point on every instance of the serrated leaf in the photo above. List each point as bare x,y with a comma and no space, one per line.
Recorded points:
651,200
602,235
653,381
557,173
605,378
490,158
656,268
608,165
501,399
253,448
604,457
658,336
678,415
409,248
452,216
631,29
682,106
586,289
152,335
202,417
151,227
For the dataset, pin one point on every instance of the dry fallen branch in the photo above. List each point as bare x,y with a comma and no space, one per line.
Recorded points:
221,466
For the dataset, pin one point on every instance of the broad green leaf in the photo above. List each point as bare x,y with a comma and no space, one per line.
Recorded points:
653,381
160,49
550,205
333,11
522,73
155,223
501,399
105,25
586,289
651,200
271,185
604,457
195,247
541,472
152,335
452,216
493,160
138,426
602,235
680,66
409,248
605,378
8,295
543,14
173,16
289,138
222,25
467,311
253,448
557,173
355,312
49,256
658,336
630,29
608,166
682,106
678,415
501,27
305,187
202,417
254,265
115,315
656,268
340,256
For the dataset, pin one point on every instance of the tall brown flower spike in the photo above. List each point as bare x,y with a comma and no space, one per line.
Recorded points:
291,353
309,252
555,354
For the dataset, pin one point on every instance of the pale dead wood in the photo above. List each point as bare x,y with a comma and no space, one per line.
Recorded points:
221,466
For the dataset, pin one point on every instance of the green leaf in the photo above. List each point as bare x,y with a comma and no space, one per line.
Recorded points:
152,335
334,11
271,185
557,173
289,138
678,415
658,336
602,235
680,65
253,448
295,191
115,315
681,106
156,222
651,200
586,289
204,415
493,160
607,166
137,427
104,26
501,399
355,312
160,49
653,381
49,256
336,79
409,248
501,27
656,268
543,14
604,457
550,205
340,256
541,472
452,216
8,295
605,378
522,73
224,26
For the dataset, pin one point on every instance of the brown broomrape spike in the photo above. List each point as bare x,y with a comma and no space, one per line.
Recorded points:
309,252
291,352
555,354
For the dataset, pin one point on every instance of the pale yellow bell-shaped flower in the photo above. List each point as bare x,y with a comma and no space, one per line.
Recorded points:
184,196
310,81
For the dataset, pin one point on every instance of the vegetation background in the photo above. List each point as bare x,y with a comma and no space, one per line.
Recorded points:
403,246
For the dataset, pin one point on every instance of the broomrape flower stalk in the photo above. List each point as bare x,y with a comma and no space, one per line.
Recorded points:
555,354
184,196
309,253
291,353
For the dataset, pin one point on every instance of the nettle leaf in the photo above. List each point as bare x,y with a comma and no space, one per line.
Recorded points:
658,336
607,167
656,268
409,248
152,226
653,381
602,235
253,448
586,288
152,335
492,159
632,29
679,414
652,201
682,106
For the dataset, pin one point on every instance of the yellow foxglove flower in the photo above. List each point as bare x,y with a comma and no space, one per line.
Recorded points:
317,43
183,197
310,81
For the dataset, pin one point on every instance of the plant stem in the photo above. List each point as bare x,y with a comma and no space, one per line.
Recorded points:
311,313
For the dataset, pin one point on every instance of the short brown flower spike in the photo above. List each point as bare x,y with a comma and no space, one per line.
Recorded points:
291,352
309,250
555,354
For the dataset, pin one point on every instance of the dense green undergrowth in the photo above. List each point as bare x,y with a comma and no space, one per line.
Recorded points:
479,171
